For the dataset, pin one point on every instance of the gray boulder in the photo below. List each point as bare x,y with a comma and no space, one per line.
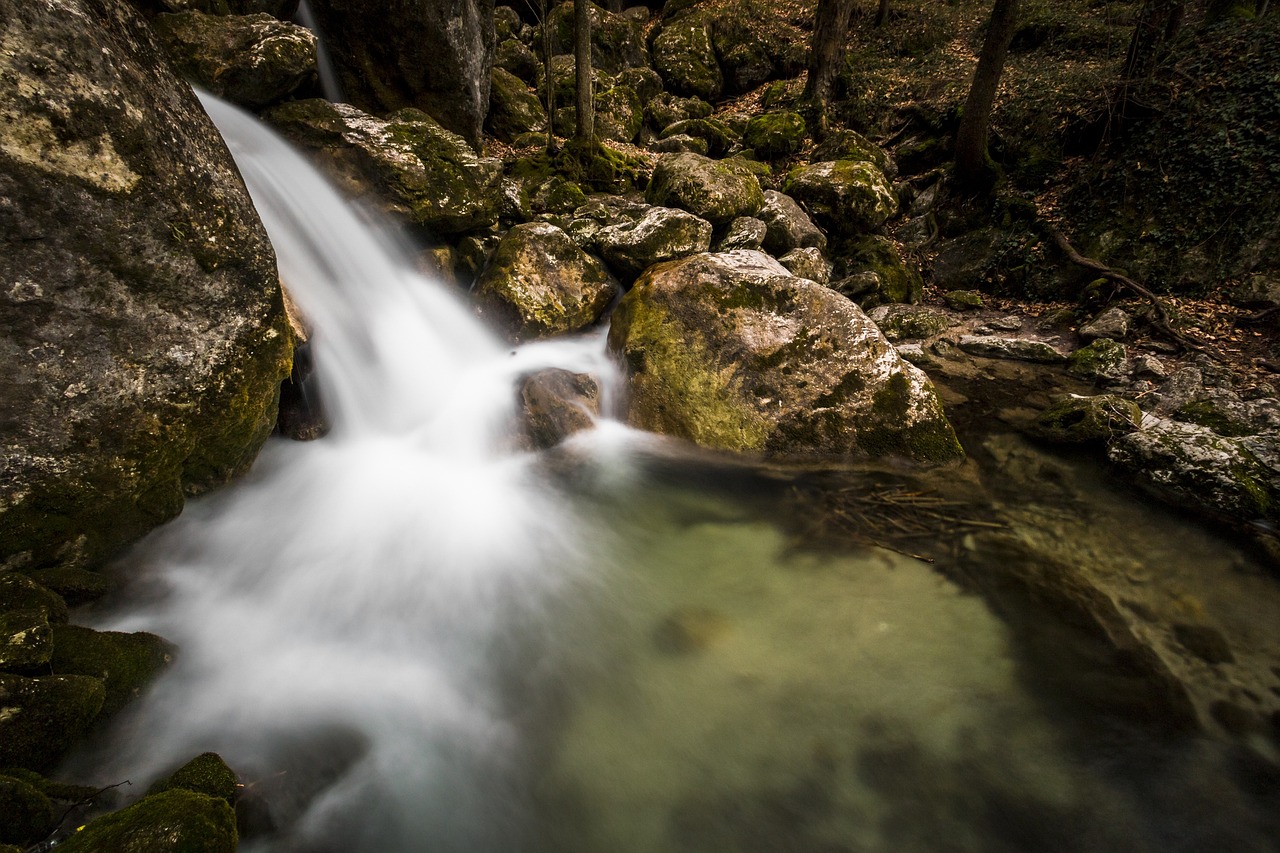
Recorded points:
808,263
787,225
716,190
844,196
685,57
744,232
513,107
661,234
616,42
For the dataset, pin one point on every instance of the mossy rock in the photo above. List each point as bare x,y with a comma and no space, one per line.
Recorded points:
647,84
175,821
518,59
1103,359
26,815
43,717
661,234
619,114
1088,420
778,134
25,644
720,138
616,42
1208,413
126,663
513,108
205,774
844,144
963,300
910,322
74,586
899,283
665,109
717,191
20,592
685,57
843,196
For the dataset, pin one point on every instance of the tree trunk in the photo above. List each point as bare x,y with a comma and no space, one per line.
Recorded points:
826,49
582,68
1158,23
973,167
882,13
549,84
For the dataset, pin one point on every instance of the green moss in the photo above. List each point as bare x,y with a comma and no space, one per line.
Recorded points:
1101,359
1207,414
928,439
44,716
19,592
205,774
899,283
26,815
719,137
175,821
777,134
126,663
1088,420
1257,494
75,586
602,167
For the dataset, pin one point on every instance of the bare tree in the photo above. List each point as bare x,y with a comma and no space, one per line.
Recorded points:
826,50
973,165
585,132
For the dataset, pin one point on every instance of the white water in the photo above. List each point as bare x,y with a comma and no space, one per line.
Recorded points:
381,583
329,85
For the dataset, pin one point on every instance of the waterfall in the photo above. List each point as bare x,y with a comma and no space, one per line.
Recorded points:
354,614
329,85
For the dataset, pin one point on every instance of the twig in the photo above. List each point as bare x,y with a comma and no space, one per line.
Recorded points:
47,843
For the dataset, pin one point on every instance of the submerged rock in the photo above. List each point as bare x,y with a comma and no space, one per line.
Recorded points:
731,351
716,190
177,820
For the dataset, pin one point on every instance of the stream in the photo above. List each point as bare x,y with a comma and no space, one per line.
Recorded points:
410,636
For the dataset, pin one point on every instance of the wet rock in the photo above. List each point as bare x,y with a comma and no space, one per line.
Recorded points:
408,165
963,300
74,586
1019,349
142,329
539,283
26,815
690,630
1205,642
1086,420
787,225
843,196
683,54
665,109
251,60
1113,324
125,663
25,644
1104,359
777,134
557,403
616,42
176,820
513,108
808,263
19,592
205,774
43,717
904,322
717,191
661,234
731,351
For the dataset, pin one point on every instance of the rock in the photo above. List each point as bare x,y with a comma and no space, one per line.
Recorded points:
963,263
859,287
616,42
564,77
141,323
43,717
731,351
661,234
19,592
744,232
407,165
844,196
788,226
1104,359
647,84
690,630
720,137
506,23
126,663
539,283
1191,465
684,56
434,55
619,114
749,55
177,820
897,281
1087,420
904,322
26,815
25,646
513,108
808,263
598,213
846,144
1218,409
680,143
665,109
1258,291
777,134
1018,349
205,774
519,60
963,300
74,586
1205,642
252,60
1112,324
556,404
717,191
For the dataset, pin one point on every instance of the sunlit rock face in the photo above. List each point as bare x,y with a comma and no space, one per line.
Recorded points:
141,324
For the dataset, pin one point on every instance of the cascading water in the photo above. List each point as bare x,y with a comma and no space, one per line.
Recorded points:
329,85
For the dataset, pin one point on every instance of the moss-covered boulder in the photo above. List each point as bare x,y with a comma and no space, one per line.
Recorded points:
897,281
126,663
19,592
616,42
513,107
556,403
910,322
26,815
205,774
408,164
787,226
777,134
519,59
845,144
645,82
74,586
252,60
43,717
665,109
25,642
564,79
1102,360
733,352
1074,419
176,821
754,44
844,196
683,54
142,328
539,283
619,114
661,234
716,190
721,139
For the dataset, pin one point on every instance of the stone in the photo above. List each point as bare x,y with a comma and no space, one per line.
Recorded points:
506,23
843,196
1260,291
519,60
776,134
433,55
1018,349
250,60
1205,642
716,190
808,263
74,586
964,263
125,663
616,42
680,143
407,165
25,644
661,234
860,286
963,300
647,84
205,774
898,282
665,109
733,352
683,54
20,592
556,404
176,820
1073,419
787,225
844,144
753,45
142,327
744,232
26,815
539,283
905,322
721,139
43,717
1103,360
1112,324
619,114
513,108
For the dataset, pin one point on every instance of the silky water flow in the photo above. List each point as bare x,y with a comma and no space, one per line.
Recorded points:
410,635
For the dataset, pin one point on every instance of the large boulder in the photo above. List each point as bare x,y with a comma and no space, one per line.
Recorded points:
844,196
683,54
731,351
619,114
434,55
717,190
513,107
43,717
126,663
787,226
539,283
175,820
408,165
661,234
253,60
616,42
141,323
